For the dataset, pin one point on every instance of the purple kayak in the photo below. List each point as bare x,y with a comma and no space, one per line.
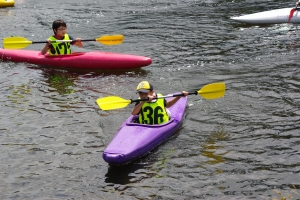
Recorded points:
134,140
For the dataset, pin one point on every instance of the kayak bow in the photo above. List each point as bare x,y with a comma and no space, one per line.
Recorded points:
6,3
283,15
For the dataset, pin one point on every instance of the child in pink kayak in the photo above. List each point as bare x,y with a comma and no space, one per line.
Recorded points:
60,33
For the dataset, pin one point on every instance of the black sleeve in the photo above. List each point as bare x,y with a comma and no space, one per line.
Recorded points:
52,50
136,103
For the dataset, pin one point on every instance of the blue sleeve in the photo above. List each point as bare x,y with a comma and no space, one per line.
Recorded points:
71,38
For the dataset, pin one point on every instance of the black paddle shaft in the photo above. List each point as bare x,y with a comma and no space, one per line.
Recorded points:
173,95
190,93
87,40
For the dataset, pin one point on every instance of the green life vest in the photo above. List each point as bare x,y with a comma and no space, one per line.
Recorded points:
154,112
60,48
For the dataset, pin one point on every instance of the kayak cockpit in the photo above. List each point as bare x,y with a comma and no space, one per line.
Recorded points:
133,121
65,55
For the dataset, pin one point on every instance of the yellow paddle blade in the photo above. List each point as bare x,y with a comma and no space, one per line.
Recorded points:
112,102
111,39
212,91
15,43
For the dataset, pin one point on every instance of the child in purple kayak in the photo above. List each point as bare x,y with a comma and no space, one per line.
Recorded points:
154,110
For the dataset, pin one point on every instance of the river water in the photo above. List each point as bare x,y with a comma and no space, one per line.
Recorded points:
243,146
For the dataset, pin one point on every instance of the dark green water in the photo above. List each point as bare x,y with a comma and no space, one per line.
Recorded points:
243,146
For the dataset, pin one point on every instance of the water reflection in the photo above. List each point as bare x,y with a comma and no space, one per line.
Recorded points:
19,96
62,81
6,12
146,167
18,92
90,73
292,33
124,174
212,150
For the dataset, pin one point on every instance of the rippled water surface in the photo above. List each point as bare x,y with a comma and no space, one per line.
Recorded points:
243,146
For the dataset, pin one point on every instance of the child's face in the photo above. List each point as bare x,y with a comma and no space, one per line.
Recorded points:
61,31
143,95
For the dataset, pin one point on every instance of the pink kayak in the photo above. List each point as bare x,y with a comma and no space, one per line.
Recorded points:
79,60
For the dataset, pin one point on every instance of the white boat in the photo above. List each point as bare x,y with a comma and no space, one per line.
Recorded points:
283,15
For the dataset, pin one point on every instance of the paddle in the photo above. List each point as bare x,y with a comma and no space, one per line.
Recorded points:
292,13
210,91
21,42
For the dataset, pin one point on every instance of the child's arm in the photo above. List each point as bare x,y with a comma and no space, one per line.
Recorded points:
78,42
138,107
46,48
174,100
